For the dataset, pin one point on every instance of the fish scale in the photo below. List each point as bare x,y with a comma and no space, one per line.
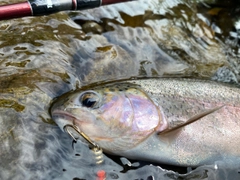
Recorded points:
198,121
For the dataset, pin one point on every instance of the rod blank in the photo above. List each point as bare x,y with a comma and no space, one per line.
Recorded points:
45,7
15,10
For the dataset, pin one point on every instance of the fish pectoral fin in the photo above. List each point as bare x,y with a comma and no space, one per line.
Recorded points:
190,121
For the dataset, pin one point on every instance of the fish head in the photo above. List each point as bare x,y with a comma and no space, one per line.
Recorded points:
115,116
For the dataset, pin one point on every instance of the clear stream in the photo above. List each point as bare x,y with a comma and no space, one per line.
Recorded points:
43,57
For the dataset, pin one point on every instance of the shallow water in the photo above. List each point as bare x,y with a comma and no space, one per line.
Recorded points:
43,57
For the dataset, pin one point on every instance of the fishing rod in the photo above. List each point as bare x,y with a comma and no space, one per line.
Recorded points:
45,7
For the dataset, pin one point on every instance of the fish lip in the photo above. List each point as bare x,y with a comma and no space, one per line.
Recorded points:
73,119
64,114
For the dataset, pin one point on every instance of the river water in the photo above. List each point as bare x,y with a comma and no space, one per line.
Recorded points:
43,57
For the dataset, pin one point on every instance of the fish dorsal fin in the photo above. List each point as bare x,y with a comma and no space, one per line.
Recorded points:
190,121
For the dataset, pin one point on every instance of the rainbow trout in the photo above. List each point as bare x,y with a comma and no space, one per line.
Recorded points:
173,121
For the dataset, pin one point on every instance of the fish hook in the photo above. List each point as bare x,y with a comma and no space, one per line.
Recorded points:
93,144
95,147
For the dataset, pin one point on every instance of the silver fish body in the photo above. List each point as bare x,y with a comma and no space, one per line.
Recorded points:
130,118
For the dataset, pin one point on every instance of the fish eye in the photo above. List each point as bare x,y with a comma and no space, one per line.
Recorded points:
89,99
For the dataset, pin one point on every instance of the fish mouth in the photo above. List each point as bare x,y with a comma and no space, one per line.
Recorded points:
66,120
61,113
63,118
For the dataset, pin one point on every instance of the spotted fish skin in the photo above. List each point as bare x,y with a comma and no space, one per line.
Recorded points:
127,118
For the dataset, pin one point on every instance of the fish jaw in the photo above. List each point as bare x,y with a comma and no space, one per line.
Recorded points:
62,118
85,123
59,114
